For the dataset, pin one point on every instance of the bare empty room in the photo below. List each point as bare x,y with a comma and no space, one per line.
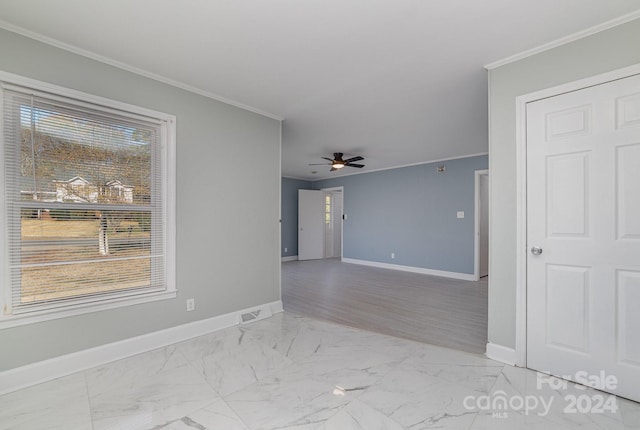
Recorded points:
315,215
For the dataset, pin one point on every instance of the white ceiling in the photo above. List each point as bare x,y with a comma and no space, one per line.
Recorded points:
396,81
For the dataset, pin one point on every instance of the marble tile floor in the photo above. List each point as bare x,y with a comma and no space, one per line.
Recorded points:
291,372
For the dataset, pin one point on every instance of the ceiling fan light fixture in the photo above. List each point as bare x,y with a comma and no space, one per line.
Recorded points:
337,162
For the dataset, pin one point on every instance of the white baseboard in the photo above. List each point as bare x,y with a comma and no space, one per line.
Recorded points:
47,370
424,271
290,258
501,353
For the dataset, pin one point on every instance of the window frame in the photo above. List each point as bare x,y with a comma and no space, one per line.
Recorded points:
90,304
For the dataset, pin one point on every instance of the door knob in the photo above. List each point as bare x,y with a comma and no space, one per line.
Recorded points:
536,250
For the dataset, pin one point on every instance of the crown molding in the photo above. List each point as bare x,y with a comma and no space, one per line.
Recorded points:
399,166
567,39
129,68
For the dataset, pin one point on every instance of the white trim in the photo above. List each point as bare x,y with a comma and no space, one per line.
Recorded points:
339,189
295,178
47,314
147,74
21,83
47,370
567,39
476,222
280,209
167,123
521,234
398,167
5,278
521,189
412,269
170,180
289,258
501,353
276,307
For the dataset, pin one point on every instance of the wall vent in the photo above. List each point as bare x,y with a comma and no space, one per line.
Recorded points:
256,315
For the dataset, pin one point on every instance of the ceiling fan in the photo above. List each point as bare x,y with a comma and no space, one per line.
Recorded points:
338,163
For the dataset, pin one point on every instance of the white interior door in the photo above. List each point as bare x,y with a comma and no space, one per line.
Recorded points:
484,226
328,225
583,217
310,224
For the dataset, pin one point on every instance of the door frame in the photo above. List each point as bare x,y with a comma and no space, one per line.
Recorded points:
476,230
521,191
341,190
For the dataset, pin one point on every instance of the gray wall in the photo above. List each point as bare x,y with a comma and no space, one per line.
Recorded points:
411,211
289,213
227,219
599,53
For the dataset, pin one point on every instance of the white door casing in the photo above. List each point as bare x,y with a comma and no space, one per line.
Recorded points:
337,215
481,224
310,224
328,224
484,226
583,212
337,224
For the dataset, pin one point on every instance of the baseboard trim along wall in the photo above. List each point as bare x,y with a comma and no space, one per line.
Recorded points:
290,258
424,271
47,370
501,353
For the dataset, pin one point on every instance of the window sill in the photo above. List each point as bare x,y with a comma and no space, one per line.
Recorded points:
8,321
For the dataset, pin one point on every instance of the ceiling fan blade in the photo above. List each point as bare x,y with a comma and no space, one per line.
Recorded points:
359,166
328,159
358,158
320,164
332,169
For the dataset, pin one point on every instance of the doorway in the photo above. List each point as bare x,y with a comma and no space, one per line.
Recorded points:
481,261
581,235
332,222
320,214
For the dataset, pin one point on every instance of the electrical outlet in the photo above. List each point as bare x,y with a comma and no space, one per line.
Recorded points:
191,305
393,255
285,250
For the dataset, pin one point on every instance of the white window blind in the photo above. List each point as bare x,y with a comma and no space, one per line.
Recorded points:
84,189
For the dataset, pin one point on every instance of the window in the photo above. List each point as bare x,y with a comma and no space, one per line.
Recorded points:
87,189
327,209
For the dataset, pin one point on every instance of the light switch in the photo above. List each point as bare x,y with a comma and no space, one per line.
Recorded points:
460,214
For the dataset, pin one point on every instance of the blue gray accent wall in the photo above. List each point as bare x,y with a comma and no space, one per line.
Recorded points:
289,226
411,212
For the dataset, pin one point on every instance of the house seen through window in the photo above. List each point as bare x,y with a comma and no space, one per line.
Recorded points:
83,201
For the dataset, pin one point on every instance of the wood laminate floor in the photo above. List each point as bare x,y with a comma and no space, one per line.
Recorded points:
430,309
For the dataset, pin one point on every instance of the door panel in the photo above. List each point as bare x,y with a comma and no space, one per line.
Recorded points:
567,307
310,224
568,194
628,288
583,211
628,110
628,203
568,122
